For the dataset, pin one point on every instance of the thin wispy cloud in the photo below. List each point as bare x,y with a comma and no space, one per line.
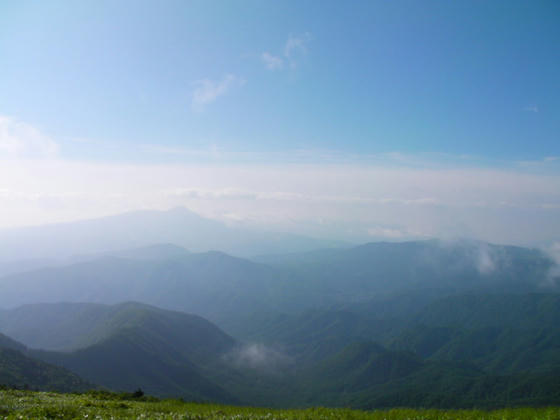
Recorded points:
386,232
531,108
207,91
212,153
243,194
23,141
294,49
547,164
272,62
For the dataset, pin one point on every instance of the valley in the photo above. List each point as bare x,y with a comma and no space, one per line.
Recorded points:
417,324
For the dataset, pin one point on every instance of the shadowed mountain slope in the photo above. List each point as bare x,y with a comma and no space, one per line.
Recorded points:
135,345
19,370
9,343
228,290
70,326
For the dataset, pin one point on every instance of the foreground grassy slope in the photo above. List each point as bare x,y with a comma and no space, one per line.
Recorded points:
41,405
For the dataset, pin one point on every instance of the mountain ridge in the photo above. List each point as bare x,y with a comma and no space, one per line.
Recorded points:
178,226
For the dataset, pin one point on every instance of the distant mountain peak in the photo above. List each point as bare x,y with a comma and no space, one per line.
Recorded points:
143,228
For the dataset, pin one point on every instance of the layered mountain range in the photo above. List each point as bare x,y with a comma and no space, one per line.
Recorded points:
426,323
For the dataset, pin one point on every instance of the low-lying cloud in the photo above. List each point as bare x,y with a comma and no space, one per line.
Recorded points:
260,357
553,277
485,259
387,197
345,201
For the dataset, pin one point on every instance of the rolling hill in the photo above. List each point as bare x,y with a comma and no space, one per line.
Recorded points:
71,326
134,346
314,335
19,370
499,333
385,279
212,284
418,323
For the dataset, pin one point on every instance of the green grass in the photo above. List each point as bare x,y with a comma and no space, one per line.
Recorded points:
100,406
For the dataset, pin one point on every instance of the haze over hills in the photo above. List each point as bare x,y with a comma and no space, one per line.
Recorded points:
227,289
212,284
144,228
499,333
150,252
72,326
9,343
173,354
373,325
19,370
134,345
456,265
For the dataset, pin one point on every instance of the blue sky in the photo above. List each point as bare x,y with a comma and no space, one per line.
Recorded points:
431,85
477,78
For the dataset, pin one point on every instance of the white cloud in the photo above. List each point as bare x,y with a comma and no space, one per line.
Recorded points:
233,193
546,163
258,356
294,48
19,140
207,91
217,194
212,153
531,108
389,233
272,62
409,201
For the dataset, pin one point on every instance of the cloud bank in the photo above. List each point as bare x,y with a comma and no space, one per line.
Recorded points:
259,357
386,198
327,200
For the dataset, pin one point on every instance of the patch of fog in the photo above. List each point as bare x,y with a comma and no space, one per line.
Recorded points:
260,357
552,279
486,259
